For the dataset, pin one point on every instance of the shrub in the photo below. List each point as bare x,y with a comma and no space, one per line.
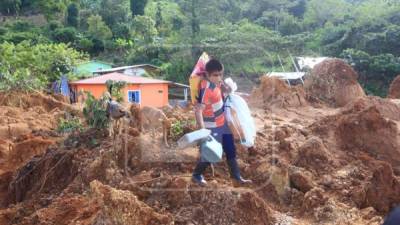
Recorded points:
65,35
68,126
95,112
114,88
179,128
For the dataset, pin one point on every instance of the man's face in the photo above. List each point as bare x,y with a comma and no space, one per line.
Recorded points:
216,76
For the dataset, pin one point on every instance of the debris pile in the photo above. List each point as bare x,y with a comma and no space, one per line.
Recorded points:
334,82
274,92
312,165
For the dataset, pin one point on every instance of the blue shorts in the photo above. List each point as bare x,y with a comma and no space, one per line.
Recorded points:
224,136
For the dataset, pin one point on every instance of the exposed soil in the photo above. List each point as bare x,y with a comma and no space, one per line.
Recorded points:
313,164
394,89
334,82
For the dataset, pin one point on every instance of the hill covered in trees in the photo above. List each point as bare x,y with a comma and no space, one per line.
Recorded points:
250,36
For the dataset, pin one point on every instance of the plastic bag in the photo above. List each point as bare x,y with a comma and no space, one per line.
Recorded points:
193,138
239,115
211,150
197,75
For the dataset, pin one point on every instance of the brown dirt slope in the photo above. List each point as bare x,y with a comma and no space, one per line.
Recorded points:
274,92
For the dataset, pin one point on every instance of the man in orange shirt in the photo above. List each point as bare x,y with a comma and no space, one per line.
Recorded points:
210,115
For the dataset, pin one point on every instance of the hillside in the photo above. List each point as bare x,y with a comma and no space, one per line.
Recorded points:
248,36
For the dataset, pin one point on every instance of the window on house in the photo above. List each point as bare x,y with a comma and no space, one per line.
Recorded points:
134,96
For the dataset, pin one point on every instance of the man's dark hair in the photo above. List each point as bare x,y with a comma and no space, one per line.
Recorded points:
214,65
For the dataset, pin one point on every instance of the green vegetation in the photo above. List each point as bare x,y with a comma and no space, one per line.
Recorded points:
72,15
95,112
181,127
26,66
249,35
115,88
68,126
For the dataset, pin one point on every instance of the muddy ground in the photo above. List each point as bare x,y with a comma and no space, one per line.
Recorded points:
315,163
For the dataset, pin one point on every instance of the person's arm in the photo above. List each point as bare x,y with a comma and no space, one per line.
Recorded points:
239,127
234,123
225,89
200,106
199,115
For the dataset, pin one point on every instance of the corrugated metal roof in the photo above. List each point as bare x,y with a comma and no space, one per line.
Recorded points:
120,77
91,66
125,67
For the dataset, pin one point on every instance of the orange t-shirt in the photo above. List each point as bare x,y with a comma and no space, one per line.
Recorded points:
211,97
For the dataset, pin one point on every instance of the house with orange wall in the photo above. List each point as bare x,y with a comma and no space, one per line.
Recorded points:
141,90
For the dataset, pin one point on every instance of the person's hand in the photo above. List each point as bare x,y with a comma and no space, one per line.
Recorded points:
200,126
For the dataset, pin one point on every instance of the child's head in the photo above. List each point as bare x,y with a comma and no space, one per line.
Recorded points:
215,70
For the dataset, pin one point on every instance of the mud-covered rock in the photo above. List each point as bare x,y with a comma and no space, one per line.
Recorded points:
301,179
334,82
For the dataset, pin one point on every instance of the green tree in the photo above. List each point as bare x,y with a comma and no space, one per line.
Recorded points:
114,12
26,66
319,12
85,44
280,21
255,8
177,23
195,25
122,30
137,7
159,19
167,15
144,28
92,5
72,15
10,7
50,9
98,46
65,35
98,29
376,71
299,9
290,25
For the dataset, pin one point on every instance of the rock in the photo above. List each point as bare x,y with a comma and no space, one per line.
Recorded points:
122,207
313,199
300,179
370,132
368,213
279,178
313,155
178,193
383,190
334,82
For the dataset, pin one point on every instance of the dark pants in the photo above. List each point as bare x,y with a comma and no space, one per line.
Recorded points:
224,136
393,218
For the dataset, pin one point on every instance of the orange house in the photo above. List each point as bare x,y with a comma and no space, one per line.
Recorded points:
141,90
